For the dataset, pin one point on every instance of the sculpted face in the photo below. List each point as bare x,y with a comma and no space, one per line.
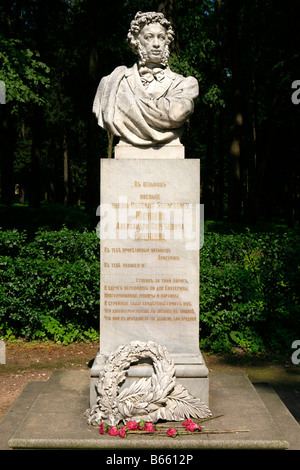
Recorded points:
153,42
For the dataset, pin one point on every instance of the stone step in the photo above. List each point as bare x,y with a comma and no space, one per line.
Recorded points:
50,415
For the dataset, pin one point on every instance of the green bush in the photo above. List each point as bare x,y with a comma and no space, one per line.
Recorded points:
249,288
49,288
249,292
11,242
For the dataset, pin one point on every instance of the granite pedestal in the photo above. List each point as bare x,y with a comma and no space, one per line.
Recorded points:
50,415
150,240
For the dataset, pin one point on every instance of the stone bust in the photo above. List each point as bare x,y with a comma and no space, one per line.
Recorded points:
147,104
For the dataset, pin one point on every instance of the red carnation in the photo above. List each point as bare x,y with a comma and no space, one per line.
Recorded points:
131,426
172,432
149,427
113,431
193,427
103,428
187,422
122,432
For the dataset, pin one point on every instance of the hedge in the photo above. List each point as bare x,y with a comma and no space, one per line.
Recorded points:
249,289
249,292
49,288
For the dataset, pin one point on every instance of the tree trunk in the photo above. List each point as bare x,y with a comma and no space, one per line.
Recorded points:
220,175
235,152
218,130
252,192
209,169
38,116
36,158
169,10
66,170
7,132
7,139
93,158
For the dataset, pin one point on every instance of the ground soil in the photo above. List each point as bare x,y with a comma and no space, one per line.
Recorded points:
35,361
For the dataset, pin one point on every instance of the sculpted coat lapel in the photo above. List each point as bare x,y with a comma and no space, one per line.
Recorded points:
144,117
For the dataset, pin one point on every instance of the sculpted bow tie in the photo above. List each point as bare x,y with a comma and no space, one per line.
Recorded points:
148,75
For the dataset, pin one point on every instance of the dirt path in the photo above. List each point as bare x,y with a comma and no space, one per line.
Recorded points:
35,361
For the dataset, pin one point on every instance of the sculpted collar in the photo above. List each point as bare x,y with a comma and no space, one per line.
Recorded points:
148,75
136,81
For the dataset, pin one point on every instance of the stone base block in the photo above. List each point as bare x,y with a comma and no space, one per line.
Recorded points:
173,150
52,417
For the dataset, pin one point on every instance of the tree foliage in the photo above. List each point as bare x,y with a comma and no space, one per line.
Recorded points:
22,73
244,128
245,56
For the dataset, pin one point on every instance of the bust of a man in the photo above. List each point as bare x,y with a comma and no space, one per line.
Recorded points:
147,104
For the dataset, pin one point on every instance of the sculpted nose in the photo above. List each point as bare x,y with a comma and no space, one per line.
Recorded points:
155,42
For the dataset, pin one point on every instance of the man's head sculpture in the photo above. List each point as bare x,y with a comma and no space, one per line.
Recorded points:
143,20
146,104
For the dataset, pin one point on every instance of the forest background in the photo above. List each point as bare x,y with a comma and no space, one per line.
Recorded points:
245,55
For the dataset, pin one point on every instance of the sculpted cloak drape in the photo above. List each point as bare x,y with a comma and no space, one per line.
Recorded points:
126,109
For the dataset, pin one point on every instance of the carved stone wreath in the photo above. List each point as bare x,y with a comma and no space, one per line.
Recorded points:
149,399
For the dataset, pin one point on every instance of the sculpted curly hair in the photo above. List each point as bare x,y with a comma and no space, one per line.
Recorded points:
142,19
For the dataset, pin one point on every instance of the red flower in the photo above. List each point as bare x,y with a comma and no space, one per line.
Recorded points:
113,431
131,426
141,425
193,427
172,432
103,428
187,422
123,431
149,427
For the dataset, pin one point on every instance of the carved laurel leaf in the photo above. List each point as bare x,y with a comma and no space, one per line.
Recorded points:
162,384
165,414
136,390
186,405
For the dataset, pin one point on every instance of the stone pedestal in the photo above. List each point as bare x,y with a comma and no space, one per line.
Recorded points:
149,228
48,415
172,151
